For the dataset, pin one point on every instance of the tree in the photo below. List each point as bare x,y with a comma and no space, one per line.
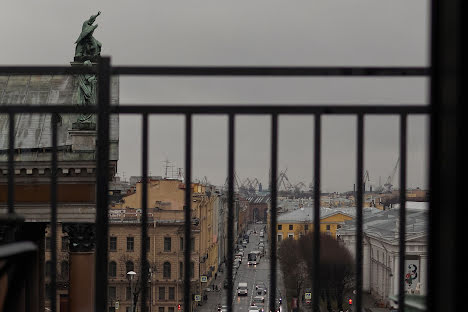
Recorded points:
136,289
293,267
336,267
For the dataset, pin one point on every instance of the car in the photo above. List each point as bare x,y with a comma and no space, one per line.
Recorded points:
254,309
261,244
260,287
223,308
258,300
242,289
241,249
244,244
262,234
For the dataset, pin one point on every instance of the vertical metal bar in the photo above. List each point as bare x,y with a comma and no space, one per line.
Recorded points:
274,185
144,213
402,225
102,180
53,216
11,164
188,190
359,198
316,247
231,160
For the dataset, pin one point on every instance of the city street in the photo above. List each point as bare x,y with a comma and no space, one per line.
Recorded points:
245,274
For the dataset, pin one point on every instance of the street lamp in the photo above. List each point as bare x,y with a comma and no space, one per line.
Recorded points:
131,274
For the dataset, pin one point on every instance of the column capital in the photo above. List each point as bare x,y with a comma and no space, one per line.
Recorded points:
81,236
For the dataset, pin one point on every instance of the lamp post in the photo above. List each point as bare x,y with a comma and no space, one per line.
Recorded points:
131,274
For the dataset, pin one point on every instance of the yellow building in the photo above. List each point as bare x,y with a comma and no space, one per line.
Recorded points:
297,223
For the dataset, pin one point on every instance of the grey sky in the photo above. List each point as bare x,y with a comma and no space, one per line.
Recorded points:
246,33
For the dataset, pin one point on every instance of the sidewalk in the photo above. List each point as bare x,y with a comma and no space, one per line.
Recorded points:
214,297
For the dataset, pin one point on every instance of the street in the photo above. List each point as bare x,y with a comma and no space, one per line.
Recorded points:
251,275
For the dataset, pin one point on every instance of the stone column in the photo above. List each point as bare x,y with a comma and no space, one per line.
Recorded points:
82,241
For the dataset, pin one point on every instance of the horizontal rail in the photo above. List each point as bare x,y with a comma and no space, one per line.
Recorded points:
224,109
270,71
280,71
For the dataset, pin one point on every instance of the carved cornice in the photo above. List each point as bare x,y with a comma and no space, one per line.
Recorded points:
81,236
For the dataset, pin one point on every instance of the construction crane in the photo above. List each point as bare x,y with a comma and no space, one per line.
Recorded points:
388,186
364,179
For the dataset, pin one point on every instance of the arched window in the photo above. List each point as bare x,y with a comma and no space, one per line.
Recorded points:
167,270
64,269
113,269
129,266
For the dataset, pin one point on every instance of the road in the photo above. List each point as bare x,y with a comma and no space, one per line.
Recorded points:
246,274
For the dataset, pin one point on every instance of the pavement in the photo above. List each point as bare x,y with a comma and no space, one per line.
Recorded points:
247,274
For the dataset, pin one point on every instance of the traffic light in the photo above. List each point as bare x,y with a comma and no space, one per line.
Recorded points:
350,301
178,307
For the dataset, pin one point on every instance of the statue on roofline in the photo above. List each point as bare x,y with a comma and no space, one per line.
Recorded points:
87,47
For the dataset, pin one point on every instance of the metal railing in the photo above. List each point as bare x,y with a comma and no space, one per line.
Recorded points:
103,110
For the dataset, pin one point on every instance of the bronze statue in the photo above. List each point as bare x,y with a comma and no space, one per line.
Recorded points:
86,93
86,45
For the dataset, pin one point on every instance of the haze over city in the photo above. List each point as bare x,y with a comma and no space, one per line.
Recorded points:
213,33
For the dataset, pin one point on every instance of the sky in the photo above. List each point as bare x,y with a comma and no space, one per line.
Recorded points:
269,33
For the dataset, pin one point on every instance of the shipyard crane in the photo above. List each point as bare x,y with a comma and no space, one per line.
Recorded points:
388,186
364,179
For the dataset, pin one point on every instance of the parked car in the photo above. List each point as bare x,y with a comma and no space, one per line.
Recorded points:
244,244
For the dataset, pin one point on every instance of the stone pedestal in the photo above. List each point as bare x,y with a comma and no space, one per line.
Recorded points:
83,140
82,263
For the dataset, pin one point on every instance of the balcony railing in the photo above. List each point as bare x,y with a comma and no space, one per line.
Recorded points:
104,71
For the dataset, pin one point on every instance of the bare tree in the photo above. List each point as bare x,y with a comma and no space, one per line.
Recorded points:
293,266
336,267
136,290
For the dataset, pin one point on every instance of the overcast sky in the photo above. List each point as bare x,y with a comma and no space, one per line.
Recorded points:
361,33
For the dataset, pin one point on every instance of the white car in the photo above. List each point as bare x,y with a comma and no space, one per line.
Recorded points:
254,309
242,289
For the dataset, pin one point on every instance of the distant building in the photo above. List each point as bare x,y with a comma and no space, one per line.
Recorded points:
381,250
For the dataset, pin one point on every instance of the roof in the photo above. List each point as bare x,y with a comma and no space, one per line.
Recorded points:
384,224
306,214
33,131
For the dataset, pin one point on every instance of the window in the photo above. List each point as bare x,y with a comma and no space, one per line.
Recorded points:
161,309
64,269
111,292
280,237
113,269
130,243
192,244
128,294
290,235
167,270
148,244
129,266
192,269
64,243
181,270
306,227
171,293
48,268
47,291
328,227
112,243
48,243
167,244
181,243
162,293
170,309
291,227
280,227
